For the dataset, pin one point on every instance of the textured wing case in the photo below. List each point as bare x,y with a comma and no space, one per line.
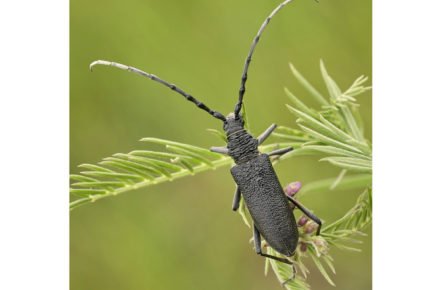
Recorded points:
267,203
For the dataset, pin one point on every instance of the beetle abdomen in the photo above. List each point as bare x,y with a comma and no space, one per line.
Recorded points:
267,203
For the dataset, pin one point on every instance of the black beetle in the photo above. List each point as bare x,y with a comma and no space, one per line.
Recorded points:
253,173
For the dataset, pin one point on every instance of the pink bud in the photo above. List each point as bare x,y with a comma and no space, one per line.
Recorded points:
303,247
302,221
292,188
319,242
310,227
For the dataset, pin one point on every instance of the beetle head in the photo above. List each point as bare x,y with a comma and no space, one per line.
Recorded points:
233,124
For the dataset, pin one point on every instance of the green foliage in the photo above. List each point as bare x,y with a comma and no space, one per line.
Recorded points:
124,172
333,131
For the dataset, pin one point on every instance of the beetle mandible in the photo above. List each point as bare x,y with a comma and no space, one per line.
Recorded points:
253,173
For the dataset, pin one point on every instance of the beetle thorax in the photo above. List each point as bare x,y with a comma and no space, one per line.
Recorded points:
242,146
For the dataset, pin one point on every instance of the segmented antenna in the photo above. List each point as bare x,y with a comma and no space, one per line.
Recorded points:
251,51
173,87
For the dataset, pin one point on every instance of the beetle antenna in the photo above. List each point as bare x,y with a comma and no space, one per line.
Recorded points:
173,87
251,51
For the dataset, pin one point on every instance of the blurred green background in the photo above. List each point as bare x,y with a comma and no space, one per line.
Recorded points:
183,234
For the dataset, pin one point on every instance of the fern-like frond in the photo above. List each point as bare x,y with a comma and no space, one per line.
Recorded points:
124,172
140,168
356,219
335,129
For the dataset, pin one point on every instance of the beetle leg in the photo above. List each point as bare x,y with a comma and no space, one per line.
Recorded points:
294,272
307,213
221,150
266,134
258,248
280,152
236,199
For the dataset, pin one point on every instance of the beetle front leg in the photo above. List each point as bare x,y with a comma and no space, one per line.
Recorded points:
236,199
307,213
221,150
266,134
258,248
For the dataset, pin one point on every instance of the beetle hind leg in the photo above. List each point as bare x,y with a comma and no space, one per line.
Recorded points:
307,213
280,152
258,248
292,277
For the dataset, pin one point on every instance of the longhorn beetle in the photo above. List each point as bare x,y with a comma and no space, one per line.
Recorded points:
253,173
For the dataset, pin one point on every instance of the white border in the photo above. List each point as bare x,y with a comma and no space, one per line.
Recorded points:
34,144
405,144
